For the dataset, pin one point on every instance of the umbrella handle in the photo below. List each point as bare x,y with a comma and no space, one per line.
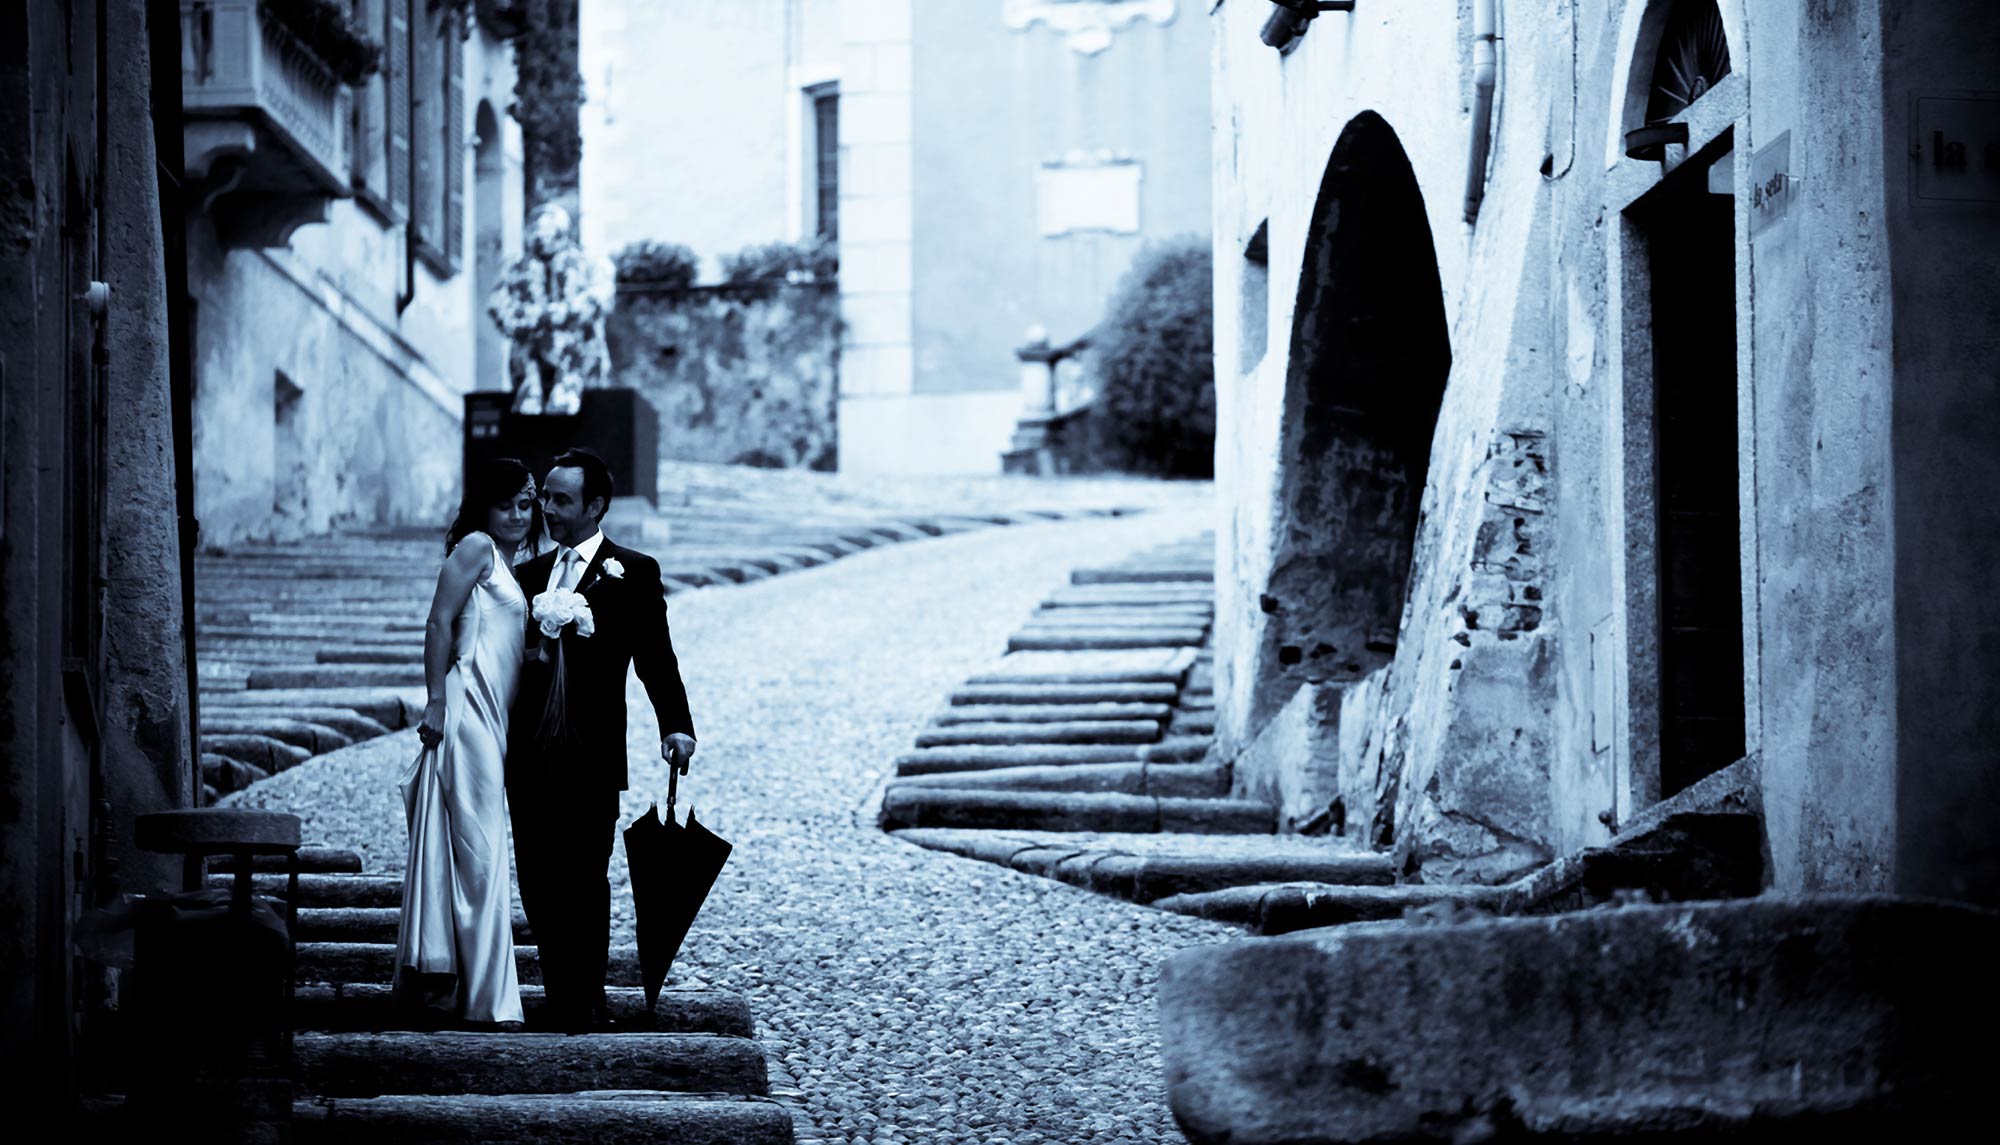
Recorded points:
673,789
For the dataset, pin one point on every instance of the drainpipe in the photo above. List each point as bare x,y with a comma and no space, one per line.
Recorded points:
1483,68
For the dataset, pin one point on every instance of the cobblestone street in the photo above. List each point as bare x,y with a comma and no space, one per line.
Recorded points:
910,995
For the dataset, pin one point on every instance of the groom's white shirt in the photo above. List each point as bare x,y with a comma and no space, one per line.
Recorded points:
585,553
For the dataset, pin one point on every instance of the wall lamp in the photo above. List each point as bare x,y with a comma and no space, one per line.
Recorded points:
1289,22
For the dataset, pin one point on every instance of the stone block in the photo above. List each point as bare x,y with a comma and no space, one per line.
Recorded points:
1077,732
1763,1019
1293,764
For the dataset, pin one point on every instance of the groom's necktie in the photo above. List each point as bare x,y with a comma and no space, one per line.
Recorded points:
572,564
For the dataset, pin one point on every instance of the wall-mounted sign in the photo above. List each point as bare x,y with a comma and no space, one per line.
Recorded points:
1955,148
1077,195
1772,187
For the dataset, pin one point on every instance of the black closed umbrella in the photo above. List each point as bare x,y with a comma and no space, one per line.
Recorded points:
673,866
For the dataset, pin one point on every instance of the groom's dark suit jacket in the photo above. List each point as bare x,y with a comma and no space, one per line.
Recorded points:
631,617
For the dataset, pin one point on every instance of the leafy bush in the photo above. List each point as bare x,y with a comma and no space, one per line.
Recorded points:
1153,355
660,266
814,260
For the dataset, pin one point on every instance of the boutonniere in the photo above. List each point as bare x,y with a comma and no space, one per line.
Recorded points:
612,568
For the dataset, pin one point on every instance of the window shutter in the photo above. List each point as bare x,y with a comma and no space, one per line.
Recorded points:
455,156
399,107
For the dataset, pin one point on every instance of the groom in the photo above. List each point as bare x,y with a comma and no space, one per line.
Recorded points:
565,808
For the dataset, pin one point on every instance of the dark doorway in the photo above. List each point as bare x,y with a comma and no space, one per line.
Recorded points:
1370,352
1690,233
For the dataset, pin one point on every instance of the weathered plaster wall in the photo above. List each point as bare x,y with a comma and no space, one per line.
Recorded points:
374,437
737,376
1945,418
148,762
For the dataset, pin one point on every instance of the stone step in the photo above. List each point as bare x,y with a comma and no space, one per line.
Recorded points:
1065,694
356,1006
1130,596
313,738
1179,780
981,757
313,859
346,721
607,1118
1128,666
327,891
392,708
375,962
373,1064
339,676
1766,1019
1121,618
304,633
412,653
1193,866
368,924
1093,639
1073,731
226,775
1268,907
918,805
272,755
1164,574
1048,713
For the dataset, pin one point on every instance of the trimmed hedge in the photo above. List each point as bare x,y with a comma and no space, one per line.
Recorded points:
1153,355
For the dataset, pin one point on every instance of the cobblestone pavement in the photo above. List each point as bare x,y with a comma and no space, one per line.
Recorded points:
911,995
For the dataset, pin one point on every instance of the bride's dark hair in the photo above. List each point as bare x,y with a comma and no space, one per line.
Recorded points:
490,483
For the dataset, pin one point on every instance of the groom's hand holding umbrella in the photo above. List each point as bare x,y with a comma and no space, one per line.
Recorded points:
678,750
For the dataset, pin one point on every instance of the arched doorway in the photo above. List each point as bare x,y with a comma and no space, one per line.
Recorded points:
1370,353
489,244
1684,565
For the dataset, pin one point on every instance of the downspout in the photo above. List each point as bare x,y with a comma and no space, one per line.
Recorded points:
1484,59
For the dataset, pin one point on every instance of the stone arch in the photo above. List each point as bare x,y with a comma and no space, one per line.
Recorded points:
1639,35
1370,352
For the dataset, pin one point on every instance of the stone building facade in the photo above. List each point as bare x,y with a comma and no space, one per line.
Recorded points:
344,239
1563,467
95,531
985,167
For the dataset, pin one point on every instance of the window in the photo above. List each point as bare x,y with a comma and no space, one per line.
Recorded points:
826,160
368,149
437,138
409,153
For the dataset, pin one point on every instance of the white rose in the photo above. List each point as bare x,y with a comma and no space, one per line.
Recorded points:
612,568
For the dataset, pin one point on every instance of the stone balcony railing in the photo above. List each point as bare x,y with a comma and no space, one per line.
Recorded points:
266,123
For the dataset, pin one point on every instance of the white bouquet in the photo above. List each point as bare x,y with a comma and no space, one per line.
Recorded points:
559,607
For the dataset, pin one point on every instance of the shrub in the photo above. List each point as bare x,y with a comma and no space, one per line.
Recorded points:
814,260
660,266
1153,355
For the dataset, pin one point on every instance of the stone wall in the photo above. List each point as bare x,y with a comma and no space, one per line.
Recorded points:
743,375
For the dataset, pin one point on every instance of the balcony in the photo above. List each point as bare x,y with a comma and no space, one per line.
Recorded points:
266,123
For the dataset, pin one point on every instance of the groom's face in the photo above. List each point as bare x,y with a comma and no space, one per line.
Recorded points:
568,517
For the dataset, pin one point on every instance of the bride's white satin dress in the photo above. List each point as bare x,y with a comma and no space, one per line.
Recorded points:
458,916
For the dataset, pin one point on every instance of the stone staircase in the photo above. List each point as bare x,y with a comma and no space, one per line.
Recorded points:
309,646
690,1072
1083,754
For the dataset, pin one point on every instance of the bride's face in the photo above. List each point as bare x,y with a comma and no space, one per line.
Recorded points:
508,521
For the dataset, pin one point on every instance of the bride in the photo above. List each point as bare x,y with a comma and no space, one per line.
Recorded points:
455,945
